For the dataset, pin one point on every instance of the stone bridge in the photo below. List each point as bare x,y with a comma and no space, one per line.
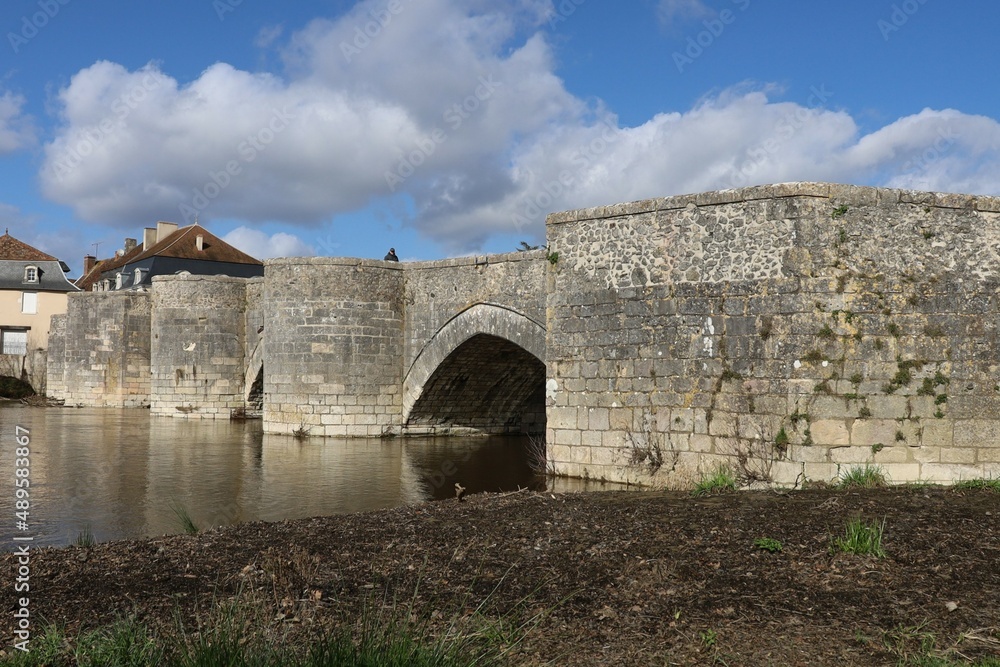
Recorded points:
788,331
326,346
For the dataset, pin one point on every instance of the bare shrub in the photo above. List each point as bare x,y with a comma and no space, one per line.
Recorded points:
538,459
756,452
650,448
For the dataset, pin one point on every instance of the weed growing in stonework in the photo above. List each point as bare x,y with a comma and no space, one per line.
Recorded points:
865,477
826,332
862,538
721,480
768,544
839,212
781,440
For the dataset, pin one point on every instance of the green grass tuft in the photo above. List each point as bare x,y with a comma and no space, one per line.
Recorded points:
862,538
85,538
721,480
865,477
989,484
184,519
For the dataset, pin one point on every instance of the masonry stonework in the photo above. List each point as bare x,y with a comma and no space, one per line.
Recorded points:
333,346
475,344
105,346
786,331
198,355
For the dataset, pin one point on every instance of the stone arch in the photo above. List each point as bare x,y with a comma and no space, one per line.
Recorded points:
254,370
499,350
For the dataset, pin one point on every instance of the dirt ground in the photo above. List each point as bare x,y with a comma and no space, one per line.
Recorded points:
658,578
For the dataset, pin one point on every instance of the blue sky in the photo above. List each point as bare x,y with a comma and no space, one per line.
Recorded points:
446,127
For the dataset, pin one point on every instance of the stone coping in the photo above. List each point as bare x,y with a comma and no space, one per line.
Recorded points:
470,260
859,195
200,278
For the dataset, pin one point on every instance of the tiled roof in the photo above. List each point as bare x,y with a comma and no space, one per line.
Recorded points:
11,248
87,281
182,244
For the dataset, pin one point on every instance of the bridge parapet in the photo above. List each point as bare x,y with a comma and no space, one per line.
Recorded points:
787,331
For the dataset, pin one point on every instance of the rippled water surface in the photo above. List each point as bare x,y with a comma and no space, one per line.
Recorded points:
124,473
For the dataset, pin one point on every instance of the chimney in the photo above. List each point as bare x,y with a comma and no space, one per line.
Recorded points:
89,261
129,245
165,229
199,242
148,238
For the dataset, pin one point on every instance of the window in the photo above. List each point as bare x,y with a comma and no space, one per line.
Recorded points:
137,276
31,274
14,342
29,303
118,280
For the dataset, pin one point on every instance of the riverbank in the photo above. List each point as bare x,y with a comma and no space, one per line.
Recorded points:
579,579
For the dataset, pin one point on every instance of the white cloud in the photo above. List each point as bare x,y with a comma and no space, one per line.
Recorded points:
454,110
258,244
16,129
670,11
268,35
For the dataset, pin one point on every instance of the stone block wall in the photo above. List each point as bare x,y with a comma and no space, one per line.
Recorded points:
457,379
333,346
788,331
55,374
438,291
198,348
105,351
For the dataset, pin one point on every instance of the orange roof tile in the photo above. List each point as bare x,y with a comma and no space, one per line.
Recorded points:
12,249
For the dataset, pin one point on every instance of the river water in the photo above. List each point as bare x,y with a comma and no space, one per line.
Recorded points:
125,474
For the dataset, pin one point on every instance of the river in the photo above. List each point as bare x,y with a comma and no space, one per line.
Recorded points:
124,474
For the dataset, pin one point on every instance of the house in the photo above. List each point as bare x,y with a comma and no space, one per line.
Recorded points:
167,250
33,288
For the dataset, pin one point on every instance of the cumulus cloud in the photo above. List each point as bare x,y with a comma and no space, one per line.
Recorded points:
453,112
16,129
258,244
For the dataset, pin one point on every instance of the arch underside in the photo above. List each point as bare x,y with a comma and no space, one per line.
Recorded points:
482,370
253,379
487,384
